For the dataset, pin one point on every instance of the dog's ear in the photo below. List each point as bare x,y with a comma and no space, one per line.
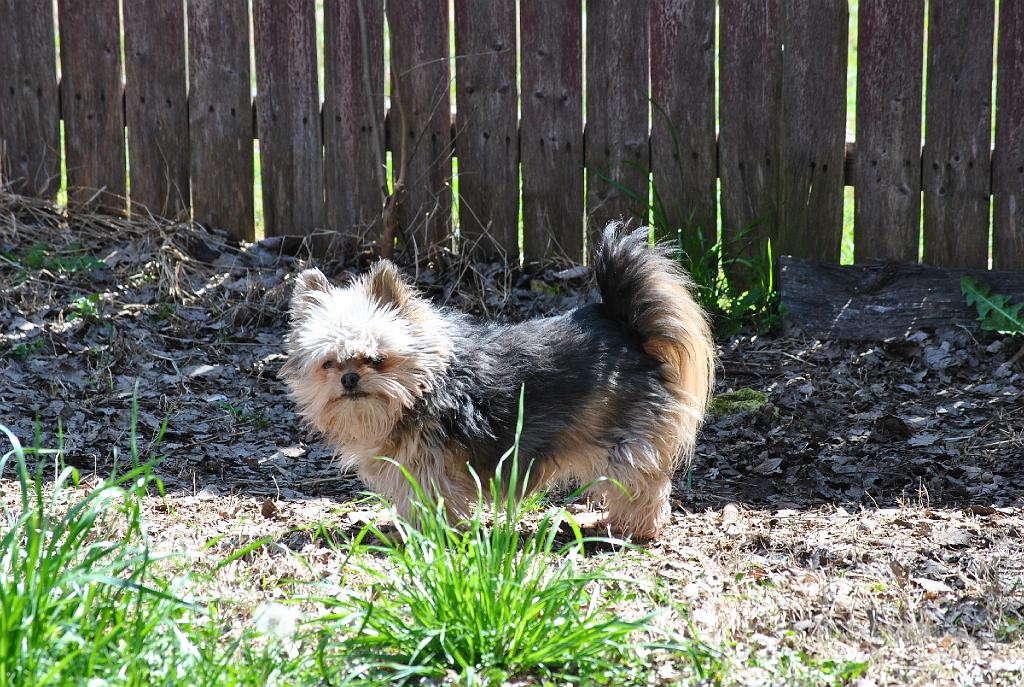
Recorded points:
387,284
307,284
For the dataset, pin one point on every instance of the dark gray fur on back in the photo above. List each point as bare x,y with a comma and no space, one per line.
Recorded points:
565,364
569,365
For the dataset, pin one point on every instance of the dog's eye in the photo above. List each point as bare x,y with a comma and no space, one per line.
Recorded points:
375,361
328,364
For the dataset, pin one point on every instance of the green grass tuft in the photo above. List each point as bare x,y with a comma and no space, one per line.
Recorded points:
65,261
483,603
733,277
78,597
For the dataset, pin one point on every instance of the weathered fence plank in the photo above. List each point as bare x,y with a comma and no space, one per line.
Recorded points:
617,152
683,146
748,151
421,77
91,101
887,189
354,116
487,140
551,139
813,128
156,106
288,116
29,109
220,116
1008,158
956,173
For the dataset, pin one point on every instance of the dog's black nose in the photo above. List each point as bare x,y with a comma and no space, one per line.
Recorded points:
350,380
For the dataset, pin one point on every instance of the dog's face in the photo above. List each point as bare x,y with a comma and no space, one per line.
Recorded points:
359,356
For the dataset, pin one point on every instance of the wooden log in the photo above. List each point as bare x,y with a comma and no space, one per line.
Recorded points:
220,116
288,110
354,118
156,107
419,63
551,130
958,128
813,128
617,152
1008,158
887,192
684,148
748,148
880,300
92,104
29,107
487,137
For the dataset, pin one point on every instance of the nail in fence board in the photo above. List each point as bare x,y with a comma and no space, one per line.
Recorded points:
354,117
683,146
419,63
288,116
486,136
958,129
91,100
29,114
551,131
617,149
813,128
887,187
220,116
750,93
1008,158
156,107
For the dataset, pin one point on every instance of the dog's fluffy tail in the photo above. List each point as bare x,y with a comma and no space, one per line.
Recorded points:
641,286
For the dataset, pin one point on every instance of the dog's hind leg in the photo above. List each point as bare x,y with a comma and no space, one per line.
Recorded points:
637,505
636,492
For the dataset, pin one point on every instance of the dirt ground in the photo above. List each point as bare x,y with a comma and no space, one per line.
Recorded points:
870,513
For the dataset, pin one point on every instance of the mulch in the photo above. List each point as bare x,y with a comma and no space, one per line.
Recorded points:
97,311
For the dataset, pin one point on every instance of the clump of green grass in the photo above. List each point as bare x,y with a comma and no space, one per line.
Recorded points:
482,603
23,350
69,260
79,600
85,600
734,277
242,416
791,667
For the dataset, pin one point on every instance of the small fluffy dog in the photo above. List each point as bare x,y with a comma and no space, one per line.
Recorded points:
616,389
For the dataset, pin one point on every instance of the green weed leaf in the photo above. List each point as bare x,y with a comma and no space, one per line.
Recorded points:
995,311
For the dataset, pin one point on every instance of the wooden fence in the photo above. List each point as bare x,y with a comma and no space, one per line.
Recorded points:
536,137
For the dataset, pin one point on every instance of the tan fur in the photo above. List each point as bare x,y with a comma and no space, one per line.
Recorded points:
686,350
441,475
